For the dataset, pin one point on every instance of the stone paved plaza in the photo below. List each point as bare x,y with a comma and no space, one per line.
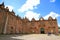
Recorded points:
30,37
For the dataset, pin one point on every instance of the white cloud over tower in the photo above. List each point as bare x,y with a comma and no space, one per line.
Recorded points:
52,14
9,7
29,5
31,14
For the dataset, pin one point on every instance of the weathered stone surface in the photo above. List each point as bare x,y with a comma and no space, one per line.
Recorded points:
11,24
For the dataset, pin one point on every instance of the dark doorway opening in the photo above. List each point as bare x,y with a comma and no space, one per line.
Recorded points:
42,31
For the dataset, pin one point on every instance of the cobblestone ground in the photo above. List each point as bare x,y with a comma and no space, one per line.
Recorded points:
30,37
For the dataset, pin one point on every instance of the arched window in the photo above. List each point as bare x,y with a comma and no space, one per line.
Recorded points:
42,29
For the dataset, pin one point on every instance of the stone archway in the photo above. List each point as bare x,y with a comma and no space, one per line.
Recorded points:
42,31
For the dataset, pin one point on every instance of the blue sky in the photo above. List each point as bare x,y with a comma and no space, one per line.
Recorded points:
35,8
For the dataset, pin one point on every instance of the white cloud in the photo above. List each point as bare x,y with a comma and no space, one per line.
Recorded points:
29,5
52,14
10,7
58,25
52,0
31,14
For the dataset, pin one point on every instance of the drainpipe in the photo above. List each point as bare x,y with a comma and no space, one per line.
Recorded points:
5,25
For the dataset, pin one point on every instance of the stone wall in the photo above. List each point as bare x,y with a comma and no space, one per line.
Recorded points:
11,24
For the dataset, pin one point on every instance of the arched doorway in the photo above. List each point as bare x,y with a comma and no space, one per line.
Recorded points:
42,30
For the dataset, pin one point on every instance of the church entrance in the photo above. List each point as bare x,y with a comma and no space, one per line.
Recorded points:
42,30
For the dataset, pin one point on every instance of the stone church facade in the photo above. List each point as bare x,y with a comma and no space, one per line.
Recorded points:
11,24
